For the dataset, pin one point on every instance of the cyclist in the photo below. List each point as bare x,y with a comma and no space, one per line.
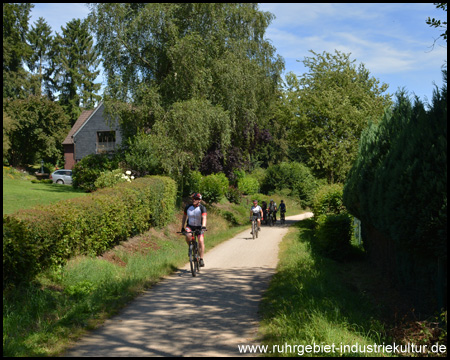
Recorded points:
282,209
196,215
273,209
264,209
256,211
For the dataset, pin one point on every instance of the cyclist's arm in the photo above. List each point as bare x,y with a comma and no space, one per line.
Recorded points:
203,208
184,220
204,220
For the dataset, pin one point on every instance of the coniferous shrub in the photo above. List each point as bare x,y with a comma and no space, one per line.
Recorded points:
398,189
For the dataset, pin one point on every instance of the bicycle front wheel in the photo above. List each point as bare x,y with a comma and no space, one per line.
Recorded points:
192,258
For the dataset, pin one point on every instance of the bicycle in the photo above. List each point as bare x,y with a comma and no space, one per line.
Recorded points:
194,255
270,218
282,217
254,226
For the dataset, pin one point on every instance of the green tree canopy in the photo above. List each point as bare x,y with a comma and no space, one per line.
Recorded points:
333,103
186,132
77,61
38,128
181,51
16,51
40,40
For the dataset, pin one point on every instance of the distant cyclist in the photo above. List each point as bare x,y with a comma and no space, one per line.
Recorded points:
264,209
282,209
273,209
196,215
256,211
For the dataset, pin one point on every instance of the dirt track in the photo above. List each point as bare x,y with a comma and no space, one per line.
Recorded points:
207,315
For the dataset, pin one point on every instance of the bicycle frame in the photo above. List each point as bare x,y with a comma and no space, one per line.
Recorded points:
254,226
194,255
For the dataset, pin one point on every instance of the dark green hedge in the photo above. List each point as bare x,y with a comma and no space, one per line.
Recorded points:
36,239
398,188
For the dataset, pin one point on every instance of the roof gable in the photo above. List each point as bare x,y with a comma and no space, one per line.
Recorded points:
82,119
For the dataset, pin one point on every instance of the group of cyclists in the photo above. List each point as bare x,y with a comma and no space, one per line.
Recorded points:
195,214
263,212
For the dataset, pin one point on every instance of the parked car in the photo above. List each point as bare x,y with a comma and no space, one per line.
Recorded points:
62,176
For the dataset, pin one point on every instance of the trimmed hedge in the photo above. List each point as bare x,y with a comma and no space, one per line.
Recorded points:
333,234
328,200
36,239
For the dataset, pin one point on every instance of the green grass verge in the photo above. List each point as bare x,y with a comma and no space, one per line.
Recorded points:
310,301
23,194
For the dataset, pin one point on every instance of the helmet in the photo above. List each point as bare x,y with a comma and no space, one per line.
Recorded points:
255,201
196,196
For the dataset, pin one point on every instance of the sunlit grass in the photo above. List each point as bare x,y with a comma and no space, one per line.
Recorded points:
309,302
23,194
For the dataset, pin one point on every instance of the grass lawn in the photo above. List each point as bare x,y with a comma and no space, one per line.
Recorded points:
23,194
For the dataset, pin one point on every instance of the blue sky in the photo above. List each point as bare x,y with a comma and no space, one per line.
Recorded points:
392,40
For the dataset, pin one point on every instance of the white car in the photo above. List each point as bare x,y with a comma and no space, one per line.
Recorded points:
62,176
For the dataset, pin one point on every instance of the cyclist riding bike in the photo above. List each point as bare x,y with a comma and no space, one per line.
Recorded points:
195,213
273,209
282,209
256,211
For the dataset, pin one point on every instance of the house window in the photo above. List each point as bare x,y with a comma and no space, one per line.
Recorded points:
106,142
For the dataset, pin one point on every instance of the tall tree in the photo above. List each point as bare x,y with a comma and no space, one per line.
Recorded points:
40,40
16,81
37,130
77,61
334,102
184,51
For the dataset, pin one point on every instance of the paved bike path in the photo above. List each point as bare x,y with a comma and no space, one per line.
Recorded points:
207,315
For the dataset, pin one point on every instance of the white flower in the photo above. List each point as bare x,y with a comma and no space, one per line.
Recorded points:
128,172
132,178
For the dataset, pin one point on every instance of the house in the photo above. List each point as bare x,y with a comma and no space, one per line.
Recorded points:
92,133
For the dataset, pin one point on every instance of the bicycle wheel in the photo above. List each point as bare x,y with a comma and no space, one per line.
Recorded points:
256,229
192,258
253,229
197,258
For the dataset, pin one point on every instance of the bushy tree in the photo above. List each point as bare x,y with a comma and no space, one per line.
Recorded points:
140,154
294,176
213,187
38,130
87,170
183,136
333,103
163,55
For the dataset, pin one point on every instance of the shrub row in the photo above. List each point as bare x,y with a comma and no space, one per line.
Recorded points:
36,239
332,222
398,188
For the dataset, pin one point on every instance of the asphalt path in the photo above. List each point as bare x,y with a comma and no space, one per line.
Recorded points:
207,315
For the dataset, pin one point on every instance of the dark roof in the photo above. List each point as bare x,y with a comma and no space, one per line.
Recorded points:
80,121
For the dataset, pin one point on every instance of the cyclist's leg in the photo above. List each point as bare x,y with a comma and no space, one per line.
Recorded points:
201,248
188,235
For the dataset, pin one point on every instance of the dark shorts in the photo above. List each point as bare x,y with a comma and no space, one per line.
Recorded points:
193,228
257,215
